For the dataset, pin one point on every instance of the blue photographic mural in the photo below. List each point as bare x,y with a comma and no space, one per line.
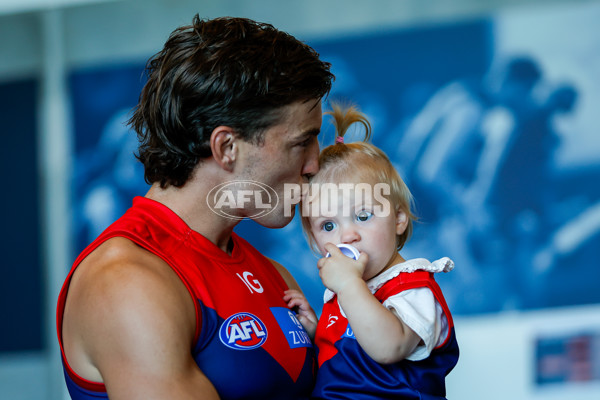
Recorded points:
107,175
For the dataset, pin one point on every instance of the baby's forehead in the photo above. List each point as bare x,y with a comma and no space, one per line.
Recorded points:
347,196
348,189
345,175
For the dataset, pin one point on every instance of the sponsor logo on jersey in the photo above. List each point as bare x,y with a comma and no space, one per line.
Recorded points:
348,333
252,285
292,328
331,320
243,331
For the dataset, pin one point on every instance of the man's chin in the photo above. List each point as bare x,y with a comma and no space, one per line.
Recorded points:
276,221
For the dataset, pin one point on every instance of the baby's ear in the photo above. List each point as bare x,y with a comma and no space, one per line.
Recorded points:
401,222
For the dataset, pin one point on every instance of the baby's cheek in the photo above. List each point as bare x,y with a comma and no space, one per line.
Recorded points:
322,251
320,240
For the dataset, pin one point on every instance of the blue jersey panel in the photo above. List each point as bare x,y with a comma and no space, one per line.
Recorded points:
257,374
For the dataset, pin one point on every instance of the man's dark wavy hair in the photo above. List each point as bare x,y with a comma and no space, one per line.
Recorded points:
222,72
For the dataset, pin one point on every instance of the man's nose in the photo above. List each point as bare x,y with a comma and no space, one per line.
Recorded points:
311,163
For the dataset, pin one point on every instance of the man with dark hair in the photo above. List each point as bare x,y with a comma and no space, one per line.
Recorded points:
168,302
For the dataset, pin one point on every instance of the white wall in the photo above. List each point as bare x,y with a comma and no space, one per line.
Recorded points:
105,31
497,359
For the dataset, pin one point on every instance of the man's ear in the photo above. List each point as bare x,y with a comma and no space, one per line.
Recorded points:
223,144
401,222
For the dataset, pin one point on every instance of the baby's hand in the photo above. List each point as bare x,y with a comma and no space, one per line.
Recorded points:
338,270
306,315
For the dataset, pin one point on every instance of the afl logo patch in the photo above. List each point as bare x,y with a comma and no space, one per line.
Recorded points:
243,331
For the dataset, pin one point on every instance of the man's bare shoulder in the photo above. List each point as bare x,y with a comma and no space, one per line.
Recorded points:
121,273
119,267
120,297
115,254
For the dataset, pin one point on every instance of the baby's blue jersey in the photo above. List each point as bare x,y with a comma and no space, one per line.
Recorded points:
347,372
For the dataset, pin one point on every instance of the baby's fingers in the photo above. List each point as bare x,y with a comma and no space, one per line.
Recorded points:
294,298
290,294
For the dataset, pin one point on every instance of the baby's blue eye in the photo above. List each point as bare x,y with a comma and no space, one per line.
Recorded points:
364,216
328,226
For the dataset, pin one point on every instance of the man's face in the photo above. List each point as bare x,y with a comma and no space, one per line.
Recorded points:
288,155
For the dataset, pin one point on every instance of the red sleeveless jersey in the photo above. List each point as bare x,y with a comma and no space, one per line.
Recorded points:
250,345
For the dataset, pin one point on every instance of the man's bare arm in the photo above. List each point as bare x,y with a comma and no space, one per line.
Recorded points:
129,322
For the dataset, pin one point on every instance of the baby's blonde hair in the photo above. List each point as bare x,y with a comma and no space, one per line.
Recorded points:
365,161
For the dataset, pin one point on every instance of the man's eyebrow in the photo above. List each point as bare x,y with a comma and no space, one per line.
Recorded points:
312,132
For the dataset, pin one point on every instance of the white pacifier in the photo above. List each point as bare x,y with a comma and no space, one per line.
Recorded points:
347,250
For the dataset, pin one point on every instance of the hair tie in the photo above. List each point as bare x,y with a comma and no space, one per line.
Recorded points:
339,139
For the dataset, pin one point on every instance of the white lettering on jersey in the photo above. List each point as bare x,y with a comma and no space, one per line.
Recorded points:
253,286
331,320
244,331
299,337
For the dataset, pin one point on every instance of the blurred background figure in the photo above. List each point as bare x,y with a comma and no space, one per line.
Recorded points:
107,177
481,157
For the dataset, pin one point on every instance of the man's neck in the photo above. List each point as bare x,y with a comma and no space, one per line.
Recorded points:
189,203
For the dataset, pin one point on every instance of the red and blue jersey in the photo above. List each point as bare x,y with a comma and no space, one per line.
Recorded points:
248,343
347,372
